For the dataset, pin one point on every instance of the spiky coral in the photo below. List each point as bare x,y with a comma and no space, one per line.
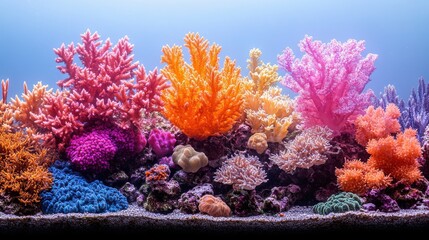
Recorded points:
359,178
330,80
397,157
243,173
203,100
6,115
24,171
377,123
267,110
103,89
306,150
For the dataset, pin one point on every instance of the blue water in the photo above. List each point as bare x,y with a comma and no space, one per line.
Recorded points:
396,30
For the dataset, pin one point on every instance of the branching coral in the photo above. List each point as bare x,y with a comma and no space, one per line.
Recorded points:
23,169
397,157
267,110
203,100
359,178
102,89
306,150
243,173
6,115
377,123
330,80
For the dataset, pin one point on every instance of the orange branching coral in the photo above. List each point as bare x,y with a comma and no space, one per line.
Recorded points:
24,170
267,110
213,206
6,117
397,157
376,123
359,177
203,100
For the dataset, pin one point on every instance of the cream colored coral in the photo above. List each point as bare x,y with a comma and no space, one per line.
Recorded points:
258,142
189,159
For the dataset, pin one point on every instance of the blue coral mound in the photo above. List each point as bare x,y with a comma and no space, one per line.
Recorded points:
71,193
339,203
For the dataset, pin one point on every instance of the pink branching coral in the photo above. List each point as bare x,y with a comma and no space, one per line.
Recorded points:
306,150
330,80
102,89
376,123
241,172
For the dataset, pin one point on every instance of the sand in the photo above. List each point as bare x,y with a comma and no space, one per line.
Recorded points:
135,220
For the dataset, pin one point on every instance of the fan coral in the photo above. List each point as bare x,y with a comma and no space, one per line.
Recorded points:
24,172
258,142
214,206
376,123
397,157
329,79
71,193
101,89
203,100
359,178
162,142
243,173
189,159
338,203
306,150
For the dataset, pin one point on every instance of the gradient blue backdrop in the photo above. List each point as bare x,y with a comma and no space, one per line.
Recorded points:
396,30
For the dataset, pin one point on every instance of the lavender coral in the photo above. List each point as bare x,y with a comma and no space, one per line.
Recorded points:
306,150
242,172
323,68
162,142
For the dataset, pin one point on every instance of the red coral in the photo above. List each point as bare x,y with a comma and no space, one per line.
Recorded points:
376,123
397,157
159,172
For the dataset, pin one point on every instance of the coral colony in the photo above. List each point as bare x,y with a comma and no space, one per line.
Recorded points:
198,137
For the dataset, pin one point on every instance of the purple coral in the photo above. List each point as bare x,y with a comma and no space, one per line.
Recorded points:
162,142
190,200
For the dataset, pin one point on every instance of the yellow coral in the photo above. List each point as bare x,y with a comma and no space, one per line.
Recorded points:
203,100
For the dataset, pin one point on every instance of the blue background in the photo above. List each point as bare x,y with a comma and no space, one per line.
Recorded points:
396,30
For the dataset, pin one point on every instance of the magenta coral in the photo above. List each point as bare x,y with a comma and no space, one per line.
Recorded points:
162,142
330,80
102,88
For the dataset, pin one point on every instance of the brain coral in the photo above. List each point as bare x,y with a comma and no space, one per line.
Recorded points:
338,203
214,206
71,193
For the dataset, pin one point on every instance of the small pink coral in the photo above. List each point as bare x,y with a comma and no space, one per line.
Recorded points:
162,142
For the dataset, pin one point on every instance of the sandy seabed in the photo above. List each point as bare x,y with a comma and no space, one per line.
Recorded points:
298,220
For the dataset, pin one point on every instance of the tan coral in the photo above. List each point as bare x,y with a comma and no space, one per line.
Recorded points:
213,206
189,159
258,142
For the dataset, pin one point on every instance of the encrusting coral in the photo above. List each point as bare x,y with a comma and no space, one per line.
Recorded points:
203,100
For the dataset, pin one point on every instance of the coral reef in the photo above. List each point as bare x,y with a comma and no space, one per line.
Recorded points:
306,150
161,142
242,172
203,100
214,206
189,159
324,67
71,193
338,203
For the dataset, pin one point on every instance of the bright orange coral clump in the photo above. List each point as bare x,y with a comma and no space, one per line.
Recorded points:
397,157
358,177
377,123
203,100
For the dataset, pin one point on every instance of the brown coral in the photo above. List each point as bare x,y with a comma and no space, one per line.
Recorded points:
213,206
397,157
258,142
377,123
188,159
359,177
24,170
203,100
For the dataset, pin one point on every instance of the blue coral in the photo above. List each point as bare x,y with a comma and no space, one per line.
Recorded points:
71,193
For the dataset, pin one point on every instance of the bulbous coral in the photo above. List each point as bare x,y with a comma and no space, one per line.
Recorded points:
190,201
242,172
377,123
397,157
189,159
359,178
162,142
214,206
338,203
203,100
258,142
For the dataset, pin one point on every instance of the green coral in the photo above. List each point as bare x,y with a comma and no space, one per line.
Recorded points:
338,203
